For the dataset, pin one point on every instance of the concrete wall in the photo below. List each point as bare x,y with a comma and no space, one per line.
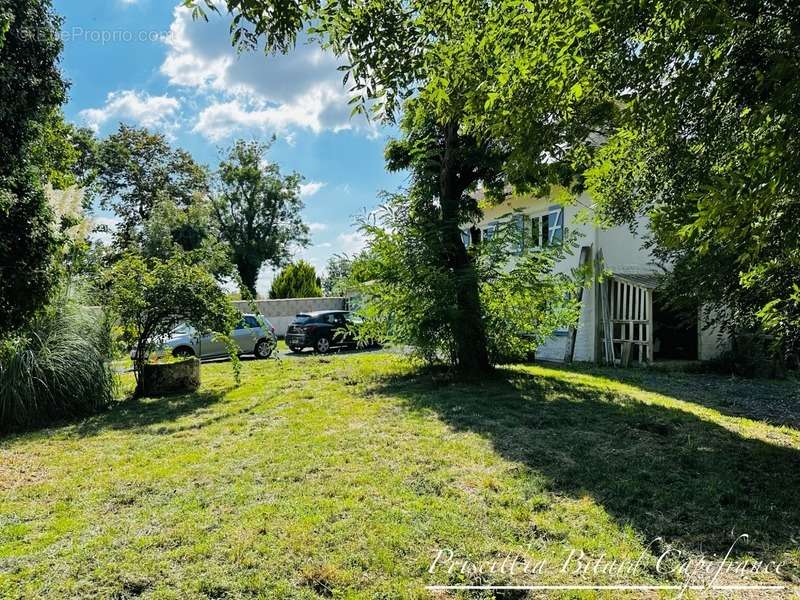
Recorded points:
710,341
281,312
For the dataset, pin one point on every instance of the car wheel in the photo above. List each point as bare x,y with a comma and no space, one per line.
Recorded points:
183,352
323,345
263,349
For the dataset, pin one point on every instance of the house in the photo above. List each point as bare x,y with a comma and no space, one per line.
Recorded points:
623,318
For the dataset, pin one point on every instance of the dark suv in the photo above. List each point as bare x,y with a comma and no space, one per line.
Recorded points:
321,330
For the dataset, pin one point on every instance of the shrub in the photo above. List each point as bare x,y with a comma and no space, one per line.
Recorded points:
298,280
57,367
151,297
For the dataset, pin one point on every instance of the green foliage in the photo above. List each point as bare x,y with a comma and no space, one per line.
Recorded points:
411,299
344,273
64,153
492,93
29,243
151,297
297,280
57,366
340,268
31,86
190,232
135,171
712,157
30,89
257,210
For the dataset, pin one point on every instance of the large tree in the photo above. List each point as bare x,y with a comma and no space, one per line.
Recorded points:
707,145
257,211
135,170
506,80
31,87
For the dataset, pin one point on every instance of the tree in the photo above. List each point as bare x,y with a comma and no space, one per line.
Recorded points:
408,294
137,169
505,80
297,280
31,87
151,297
64,153
191,232
343,272
706,145
257,211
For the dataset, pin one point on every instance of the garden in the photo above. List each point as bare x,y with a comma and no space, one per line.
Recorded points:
345,476
448,462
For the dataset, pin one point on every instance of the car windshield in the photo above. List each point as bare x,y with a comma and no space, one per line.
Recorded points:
300,319
182,329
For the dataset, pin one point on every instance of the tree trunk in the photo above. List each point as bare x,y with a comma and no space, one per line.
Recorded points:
248,272
468,329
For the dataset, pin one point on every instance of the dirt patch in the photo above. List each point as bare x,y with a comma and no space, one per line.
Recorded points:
19,471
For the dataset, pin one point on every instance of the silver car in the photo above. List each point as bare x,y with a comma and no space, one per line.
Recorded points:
253,335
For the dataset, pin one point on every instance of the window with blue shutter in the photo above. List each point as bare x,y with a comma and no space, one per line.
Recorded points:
555,225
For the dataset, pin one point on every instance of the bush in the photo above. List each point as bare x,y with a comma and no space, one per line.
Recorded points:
150,297
57,367
298,280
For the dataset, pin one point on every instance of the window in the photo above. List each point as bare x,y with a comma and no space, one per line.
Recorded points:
555,225
465,238
548,229
252,321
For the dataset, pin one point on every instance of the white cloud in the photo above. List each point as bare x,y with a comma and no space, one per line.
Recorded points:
351,243
221,120
254,91
141,108
312,187
317,227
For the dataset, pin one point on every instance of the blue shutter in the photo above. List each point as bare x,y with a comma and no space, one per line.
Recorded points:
555,222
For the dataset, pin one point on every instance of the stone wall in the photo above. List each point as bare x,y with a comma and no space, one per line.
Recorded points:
171,378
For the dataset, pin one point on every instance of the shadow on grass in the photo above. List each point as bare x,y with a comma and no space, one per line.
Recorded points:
772,401
137,413
662,471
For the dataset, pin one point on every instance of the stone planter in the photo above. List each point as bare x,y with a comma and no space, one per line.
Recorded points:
170,378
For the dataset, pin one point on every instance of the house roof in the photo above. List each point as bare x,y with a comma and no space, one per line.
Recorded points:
648,281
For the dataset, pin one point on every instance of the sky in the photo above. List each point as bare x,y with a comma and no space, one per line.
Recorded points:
147,63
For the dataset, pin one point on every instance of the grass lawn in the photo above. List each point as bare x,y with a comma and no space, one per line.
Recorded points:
342,477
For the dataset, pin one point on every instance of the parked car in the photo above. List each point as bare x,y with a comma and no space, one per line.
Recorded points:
254,335
321,330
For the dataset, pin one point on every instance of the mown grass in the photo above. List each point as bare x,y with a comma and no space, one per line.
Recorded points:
342,477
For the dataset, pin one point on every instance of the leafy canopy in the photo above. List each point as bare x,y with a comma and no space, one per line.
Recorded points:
706,144
138,169
30,89
257,211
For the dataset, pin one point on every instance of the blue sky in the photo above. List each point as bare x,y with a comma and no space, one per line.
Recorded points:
145,62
